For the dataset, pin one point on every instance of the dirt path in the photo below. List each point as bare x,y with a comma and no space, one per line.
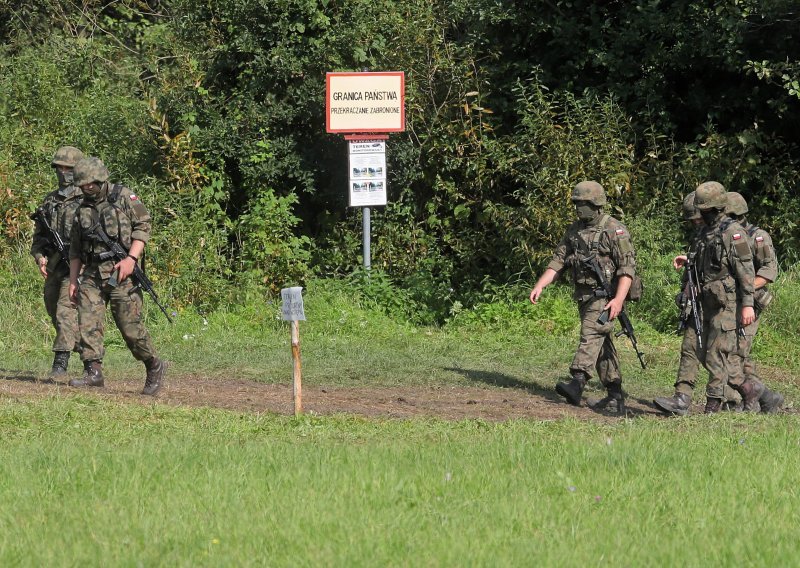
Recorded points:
446,402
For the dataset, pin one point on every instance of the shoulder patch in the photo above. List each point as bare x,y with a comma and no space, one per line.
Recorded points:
759,239
737,236
619,232
134,197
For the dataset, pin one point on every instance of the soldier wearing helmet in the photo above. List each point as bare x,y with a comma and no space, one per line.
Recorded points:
120,214
58,211
765,264
594,233
724,264
680,402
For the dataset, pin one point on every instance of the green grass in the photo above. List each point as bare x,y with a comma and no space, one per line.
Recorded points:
91,483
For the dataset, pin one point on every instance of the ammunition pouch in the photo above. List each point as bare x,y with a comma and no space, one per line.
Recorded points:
761,299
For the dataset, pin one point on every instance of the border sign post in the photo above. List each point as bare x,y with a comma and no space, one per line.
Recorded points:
365,107
292,311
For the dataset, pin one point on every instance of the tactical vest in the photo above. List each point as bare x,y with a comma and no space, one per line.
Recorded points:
111,218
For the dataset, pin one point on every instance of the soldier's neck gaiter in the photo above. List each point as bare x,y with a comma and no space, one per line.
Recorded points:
587,212
65,178
711,216
95,192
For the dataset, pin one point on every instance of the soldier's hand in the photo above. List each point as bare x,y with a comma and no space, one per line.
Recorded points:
43,267
125,267
614,307
73,293
679,261
748,315
535,293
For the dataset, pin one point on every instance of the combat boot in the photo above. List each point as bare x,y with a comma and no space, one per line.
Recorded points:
60,362
573,390
155,375
751,391
614,401
92,375
713,405
677,404
771,401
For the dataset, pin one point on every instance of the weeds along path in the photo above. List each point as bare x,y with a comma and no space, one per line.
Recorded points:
446,402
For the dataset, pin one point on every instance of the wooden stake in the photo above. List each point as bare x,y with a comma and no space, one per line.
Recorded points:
297,372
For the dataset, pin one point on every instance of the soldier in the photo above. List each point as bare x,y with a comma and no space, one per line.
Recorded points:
58,212
725,270
599,234
118,212
765,263
680,402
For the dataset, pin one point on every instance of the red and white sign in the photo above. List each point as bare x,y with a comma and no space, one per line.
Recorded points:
365,102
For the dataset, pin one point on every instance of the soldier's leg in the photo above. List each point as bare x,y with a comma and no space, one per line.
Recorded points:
718,344
126,306
750,388
91,317
52,290
769,401
680,402
582,362
68,334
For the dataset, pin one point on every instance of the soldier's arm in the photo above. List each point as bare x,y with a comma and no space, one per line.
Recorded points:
765,260
553,270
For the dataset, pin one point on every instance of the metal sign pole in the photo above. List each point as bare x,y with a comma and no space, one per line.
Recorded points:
366,230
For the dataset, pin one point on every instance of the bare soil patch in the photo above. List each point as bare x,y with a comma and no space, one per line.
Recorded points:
445,402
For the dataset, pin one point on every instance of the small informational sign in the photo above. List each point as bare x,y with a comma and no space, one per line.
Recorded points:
365,102
367,173
292,304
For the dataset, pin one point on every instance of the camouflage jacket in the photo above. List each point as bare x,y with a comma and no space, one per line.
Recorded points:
765,261
609,239
59,208
121,215
725,268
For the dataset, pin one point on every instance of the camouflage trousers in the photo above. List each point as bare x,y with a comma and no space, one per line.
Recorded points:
720,355
126,307
689,367
742,356
62,312
596,349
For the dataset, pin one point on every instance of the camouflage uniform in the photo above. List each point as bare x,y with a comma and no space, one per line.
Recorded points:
616,257
121,215
59,207
725,270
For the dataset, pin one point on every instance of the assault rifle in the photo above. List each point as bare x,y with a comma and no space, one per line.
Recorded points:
55,238
140,279
690,302
590,261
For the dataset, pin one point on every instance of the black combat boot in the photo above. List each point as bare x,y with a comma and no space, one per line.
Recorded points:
677,404
60,362
573,390
771,401
614,401
713,405
751,391
92,375
155,375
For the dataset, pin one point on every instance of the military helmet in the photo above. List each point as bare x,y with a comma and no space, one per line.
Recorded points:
90,170
67,156
690,212
735,204
590,191
710,195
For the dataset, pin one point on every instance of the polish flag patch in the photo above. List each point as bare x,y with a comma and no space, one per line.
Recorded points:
759,239
134,197
737,236
619,232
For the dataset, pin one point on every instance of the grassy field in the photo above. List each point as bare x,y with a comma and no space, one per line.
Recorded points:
90,482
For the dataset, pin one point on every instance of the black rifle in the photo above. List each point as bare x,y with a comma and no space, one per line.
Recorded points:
590,260
140,279
55,238
690,302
